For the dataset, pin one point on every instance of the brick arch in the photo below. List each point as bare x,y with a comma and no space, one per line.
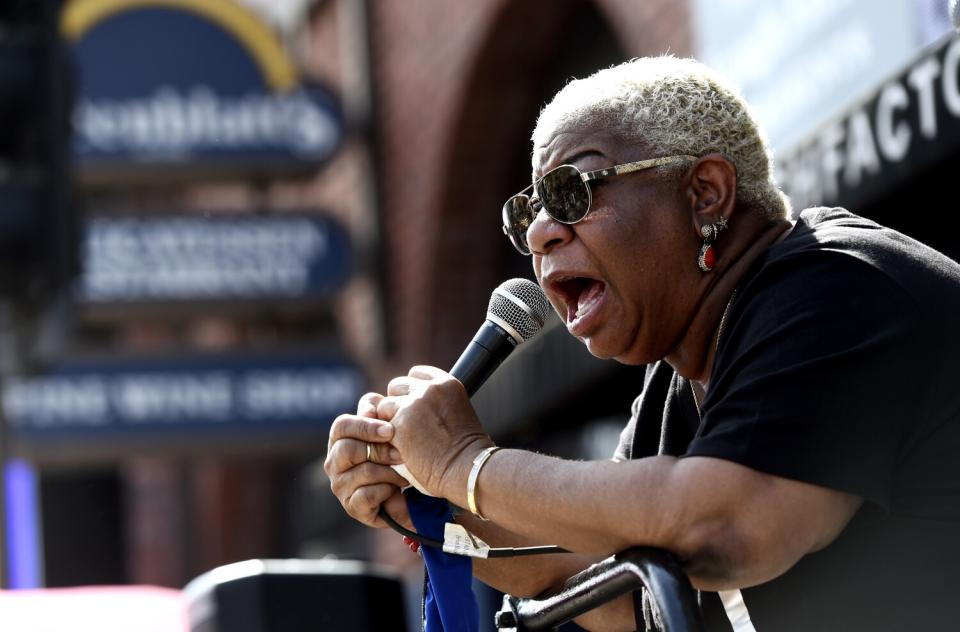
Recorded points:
526,57
442,72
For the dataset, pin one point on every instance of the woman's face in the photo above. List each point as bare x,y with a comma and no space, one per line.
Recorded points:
624,279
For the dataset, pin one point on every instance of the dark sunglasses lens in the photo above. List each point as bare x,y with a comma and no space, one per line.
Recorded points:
564,194
518,214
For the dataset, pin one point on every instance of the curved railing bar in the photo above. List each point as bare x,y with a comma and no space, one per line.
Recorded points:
654,569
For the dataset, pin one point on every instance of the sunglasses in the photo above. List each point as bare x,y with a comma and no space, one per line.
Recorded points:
564,193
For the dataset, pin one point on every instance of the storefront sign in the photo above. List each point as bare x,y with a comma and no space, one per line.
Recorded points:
801,62
910,123
182,400
173,84
216,258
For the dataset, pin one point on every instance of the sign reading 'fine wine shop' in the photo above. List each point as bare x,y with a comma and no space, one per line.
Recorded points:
111,404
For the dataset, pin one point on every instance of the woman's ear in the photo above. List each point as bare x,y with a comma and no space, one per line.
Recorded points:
712,190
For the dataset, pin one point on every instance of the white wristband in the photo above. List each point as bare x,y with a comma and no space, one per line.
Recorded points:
478,464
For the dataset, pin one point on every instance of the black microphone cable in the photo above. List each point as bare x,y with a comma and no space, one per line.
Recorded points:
494,552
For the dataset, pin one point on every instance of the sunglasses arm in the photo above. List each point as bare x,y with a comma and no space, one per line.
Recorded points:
630,167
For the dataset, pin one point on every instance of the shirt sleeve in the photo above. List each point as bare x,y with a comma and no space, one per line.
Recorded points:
814,375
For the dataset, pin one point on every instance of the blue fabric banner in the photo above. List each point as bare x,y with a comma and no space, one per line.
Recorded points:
449,602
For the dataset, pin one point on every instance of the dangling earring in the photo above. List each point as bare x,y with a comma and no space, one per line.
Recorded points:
708,257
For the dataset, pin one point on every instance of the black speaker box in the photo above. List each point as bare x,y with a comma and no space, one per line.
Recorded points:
296,596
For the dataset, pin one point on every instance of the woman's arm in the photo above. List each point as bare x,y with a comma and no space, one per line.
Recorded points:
539,575
730,525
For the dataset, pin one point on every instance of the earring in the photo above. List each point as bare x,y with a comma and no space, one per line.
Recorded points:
708,256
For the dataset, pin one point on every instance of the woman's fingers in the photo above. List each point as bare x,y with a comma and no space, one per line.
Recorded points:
424,372
348,453
361,503
361,428
364,503
416,379
388,406
367,406
399,386
396,507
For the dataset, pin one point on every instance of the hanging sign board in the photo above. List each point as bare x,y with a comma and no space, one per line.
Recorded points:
802,62
188,258
177,402
910,123
190,87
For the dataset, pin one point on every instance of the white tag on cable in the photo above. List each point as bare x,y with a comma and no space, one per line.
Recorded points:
459,541
402,470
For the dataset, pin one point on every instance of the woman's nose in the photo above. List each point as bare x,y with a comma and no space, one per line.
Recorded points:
546,233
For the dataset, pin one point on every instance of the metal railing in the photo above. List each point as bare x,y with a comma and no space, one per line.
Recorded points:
653,569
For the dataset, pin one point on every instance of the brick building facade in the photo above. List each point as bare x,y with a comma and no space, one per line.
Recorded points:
453,91
459,87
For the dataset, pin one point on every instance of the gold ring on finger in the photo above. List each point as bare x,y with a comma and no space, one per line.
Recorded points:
369,451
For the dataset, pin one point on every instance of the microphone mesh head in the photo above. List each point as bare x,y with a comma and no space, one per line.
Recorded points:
521,304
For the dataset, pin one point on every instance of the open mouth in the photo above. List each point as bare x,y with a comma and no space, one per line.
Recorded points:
581,296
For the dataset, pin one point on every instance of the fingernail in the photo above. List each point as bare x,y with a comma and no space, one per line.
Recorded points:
394,454
385,430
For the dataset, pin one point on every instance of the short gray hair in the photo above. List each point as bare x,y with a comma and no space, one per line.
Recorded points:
672,106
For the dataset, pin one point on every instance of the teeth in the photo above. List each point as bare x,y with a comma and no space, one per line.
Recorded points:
584,307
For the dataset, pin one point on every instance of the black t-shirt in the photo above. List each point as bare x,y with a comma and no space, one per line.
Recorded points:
838,367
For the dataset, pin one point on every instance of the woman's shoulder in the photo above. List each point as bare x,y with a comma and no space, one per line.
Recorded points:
838,243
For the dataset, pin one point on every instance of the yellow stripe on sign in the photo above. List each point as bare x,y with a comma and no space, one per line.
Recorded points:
80,16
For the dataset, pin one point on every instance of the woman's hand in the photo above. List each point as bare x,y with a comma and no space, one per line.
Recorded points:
362,485
436,429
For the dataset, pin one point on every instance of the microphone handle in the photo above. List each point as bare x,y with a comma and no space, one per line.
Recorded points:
483,355
479,360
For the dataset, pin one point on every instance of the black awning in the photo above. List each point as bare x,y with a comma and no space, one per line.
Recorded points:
907,126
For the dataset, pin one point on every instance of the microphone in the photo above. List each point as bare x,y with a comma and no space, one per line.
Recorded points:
516,313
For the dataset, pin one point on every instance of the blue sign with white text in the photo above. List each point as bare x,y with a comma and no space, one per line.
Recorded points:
180,83
190,258
182,399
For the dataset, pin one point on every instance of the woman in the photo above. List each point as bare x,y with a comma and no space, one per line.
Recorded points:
798,434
